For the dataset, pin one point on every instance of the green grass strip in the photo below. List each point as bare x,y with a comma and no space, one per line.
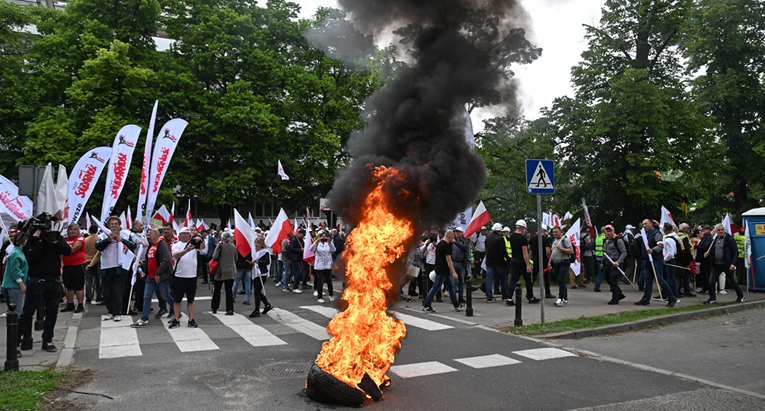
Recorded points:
24,390
601,320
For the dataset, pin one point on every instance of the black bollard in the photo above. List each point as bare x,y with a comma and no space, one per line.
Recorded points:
12,322
469,289
518,303
40,317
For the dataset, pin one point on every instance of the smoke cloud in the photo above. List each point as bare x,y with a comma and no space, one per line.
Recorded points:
458,54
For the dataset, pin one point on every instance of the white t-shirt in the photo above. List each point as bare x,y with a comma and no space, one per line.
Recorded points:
187,264
115,252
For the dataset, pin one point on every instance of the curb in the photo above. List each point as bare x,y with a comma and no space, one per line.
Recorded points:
655,321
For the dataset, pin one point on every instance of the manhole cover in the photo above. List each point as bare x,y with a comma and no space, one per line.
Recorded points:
286,370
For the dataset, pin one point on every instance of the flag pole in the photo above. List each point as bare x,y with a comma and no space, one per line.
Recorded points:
656,277
127,312
620,270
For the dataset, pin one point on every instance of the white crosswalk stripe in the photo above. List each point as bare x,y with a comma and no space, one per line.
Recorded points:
486,361
409,320
255,335
297,323
189,339
421,369
118,339
544,353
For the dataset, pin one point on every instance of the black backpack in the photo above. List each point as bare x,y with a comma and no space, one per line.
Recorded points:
683,255
633,245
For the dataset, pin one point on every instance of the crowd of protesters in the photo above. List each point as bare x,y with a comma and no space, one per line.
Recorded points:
89,267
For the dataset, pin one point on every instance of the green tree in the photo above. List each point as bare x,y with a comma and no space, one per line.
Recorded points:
726,47
632,117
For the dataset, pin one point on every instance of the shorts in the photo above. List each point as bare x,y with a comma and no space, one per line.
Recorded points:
74,277
184,286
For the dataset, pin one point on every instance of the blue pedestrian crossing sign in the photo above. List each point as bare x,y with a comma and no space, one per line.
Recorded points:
540,177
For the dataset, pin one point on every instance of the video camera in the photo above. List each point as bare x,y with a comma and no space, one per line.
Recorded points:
43,222
197,242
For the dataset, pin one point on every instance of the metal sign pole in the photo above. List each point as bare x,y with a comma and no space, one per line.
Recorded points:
540,258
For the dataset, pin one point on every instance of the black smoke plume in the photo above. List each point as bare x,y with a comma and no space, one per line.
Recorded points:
458,55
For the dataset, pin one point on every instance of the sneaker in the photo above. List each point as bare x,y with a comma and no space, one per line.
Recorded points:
643,302
160,314
622,296
573,287
49,347
79,309
296,291
240,292
710,302
689,295
117,318
193,324
69,307
429,310
660,299
741,299
614,301
583,285
565,301
331,298
315,293
559,303
268,308
509,303
549,295
100,302
461,300
174,324
254,314
215,311
139,323
460,308
491,300
279,284
246,303
321,301
597,290
285,290
109,317
723,292
229,313
672,302
534,300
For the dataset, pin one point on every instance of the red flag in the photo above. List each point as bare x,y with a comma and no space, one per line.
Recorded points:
587,218
480,218
279,231
129,219
188,222
172,214
163,215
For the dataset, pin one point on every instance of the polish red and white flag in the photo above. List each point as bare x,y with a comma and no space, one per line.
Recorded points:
480,219
280,229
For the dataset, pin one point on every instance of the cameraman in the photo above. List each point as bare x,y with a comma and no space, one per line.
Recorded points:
43,252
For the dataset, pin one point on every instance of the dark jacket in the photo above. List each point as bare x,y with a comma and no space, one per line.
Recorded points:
654,238
461,247
616,249
44,258
496,252
702,247
730,252
296,249
164,262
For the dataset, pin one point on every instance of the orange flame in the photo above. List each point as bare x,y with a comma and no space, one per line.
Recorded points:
364,337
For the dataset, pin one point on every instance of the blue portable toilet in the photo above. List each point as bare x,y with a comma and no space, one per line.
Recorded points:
754,221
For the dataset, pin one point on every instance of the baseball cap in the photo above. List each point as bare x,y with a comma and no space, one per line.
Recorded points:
609,227
520,223
184,230
496,227
506,229
458,228
629,227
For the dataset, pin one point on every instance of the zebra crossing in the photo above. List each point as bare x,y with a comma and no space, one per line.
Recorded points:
119,339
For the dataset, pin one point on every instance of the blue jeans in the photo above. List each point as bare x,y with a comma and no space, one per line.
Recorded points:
459,283
279,270
14,296
613,280
243,274
163,291
601,272
441,280
647,277
297,273
286,274
560,271
499,271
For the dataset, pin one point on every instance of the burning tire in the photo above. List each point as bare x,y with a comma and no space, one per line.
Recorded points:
325,388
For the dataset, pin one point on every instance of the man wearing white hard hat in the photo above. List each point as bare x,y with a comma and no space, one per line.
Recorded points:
520,264
496,261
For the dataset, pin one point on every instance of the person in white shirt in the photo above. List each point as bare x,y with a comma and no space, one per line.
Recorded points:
479,251
670,251
185,253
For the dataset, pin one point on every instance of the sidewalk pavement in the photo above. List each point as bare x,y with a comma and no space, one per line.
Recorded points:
583,302
64,338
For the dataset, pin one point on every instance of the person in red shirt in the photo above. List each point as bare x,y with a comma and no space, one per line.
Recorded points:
74,269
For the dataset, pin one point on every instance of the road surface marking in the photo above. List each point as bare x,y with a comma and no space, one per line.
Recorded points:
421,369
486,361
293,321
118,339
255,335
544,353
190,339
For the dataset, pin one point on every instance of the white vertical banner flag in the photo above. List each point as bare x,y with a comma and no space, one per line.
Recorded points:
119,165
280,170
83,180
167,141
573,234
143,190
547,219
666,217
17,207
129,219
62,193
747,248
463,219
727,222
46,194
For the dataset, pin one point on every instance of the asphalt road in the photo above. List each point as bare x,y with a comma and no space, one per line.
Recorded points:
444,364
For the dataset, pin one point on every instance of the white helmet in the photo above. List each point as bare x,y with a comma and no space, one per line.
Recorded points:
520,223
506,229
496,227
